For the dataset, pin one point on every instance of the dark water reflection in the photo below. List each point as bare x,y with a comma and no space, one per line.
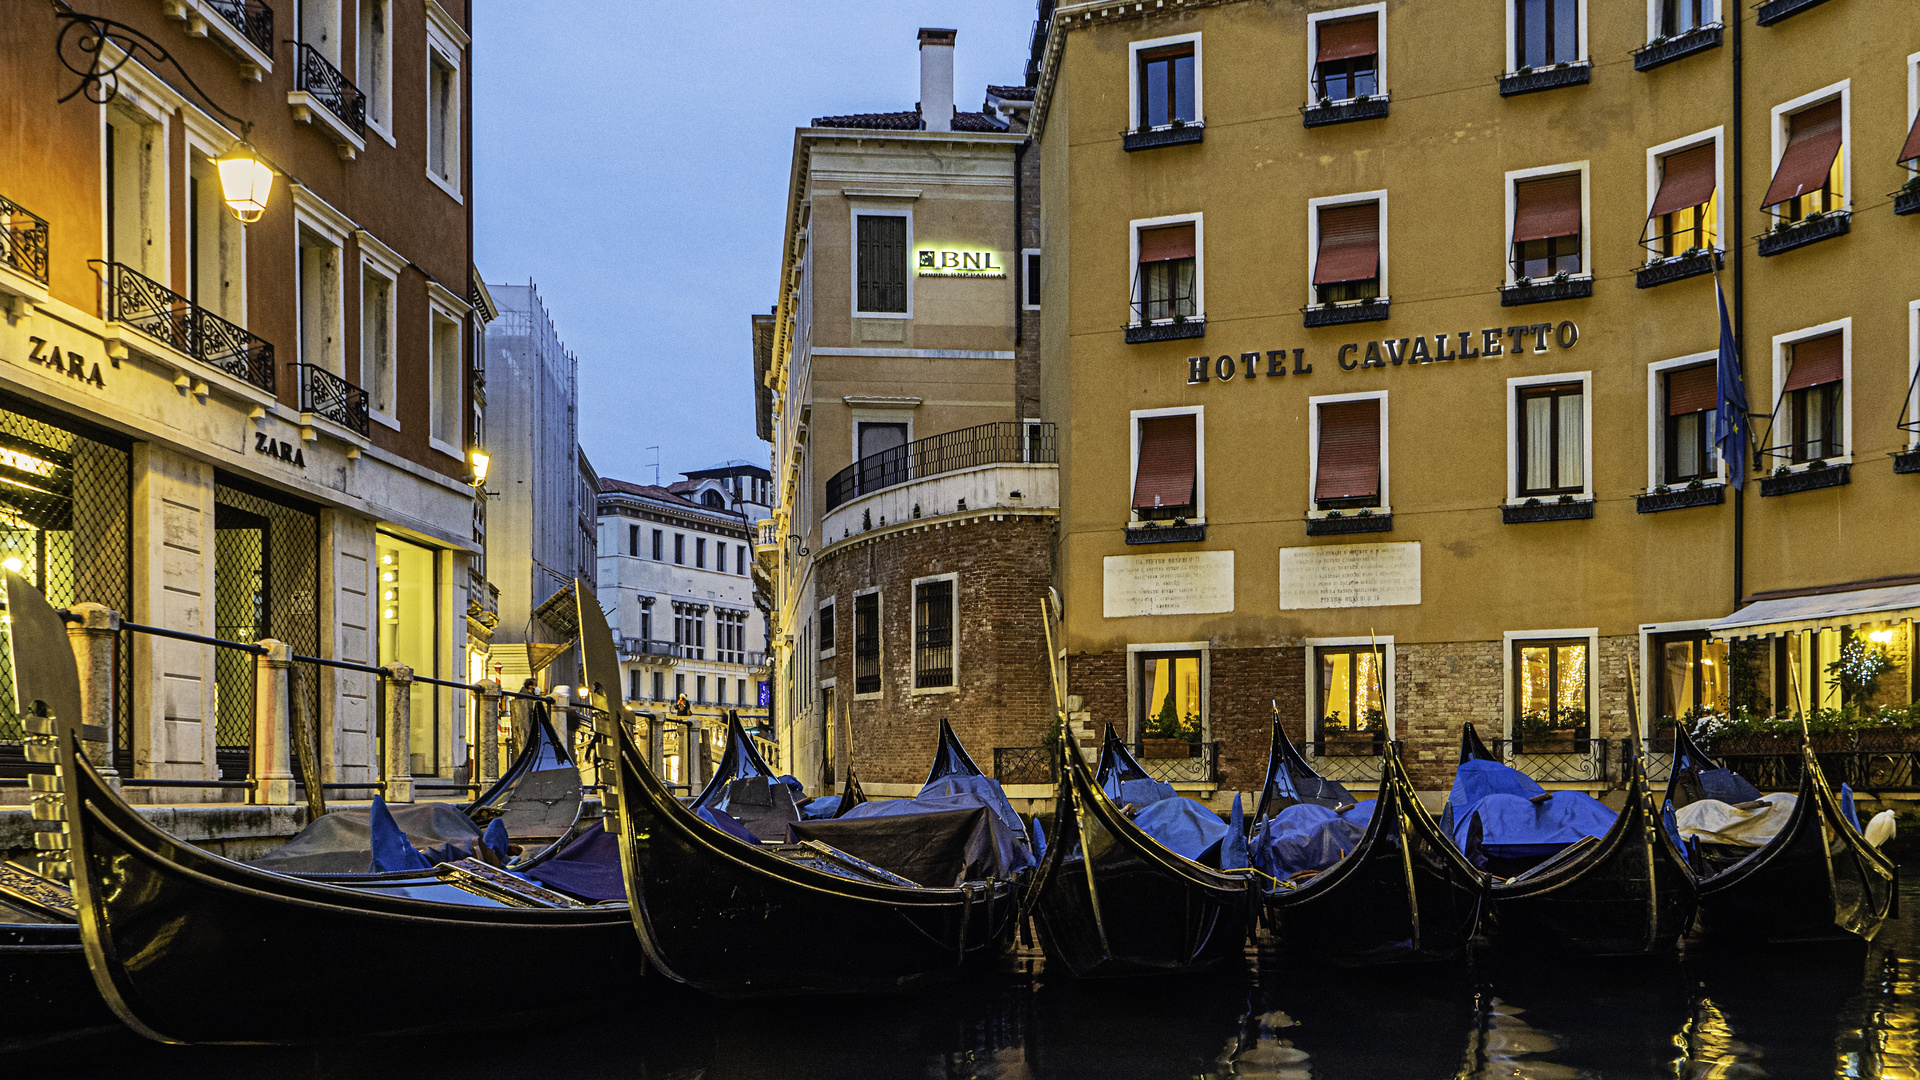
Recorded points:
1812,1013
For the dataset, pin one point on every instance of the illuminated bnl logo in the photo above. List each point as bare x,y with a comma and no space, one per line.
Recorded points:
944,263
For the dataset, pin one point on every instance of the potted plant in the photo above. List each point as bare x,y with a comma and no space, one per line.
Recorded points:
1166,734
1539,735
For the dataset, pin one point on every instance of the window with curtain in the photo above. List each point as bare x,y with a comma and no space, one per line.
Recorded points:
1546,226
1813,401
1168,266
1546,32
1346,62
1347,459
1809,177
1347,266
1549,691
881,241
1552,432
1691,396
1682,216
1170,706
1349,685
933,634
1165,479
1166,87
1680,16
1691,680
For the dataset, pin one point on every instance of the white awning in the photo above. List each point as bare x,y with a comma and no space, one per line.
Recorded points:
1832,611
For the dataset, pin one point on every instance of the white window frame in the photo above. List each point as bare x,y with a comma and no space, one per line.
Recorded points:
1913,90
335,48
1379,12
1657,420
1514,386
382,66
913,629
1199,263
1782,118
1198,412
449,41
1648,631
1314,206
1913,370
858,208
140,92
1315,644
1135,48
315,215
1513,24
1586,211
880,625
1657,154
1512,637
1135,691
1653,23
1782,346
856,417
1313,449
443,304
210,141
829,649
1027,276
388,263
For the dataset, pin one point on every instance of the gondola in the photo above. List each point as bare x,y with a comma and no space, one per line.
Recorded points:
1404,894
45,989
1817,878
950,758
741,919
1629,892
1110,900
186,946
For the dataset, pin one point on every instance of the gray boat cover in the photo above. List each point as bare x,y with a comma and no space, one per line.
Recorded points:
936,841
342,842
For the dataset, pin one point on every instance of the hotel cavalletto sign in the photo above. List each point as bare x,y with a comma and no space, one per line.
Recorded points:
1387,352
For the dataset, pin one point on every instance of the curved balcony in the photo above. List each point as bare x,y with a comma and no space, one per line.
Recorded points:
1005,465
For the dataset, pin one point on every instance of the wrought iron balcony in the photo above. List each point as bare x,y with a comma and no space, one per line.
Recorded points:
1555,757
1677,268
1372,310
1177,761
1141,333
23,240
1907,461
1680,498
253,18
1353,759
1811,230
319,79
1546,78
138,301
1165,532
1789,483
1003,443
1907,200
1536,510
1656,53
1348,524
331,397
1024,764
1774,10
1191,131
1342,112
631,647
1541,292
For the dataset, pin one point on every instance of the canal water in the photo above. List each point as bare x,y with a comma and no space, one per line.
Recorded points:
1820,1012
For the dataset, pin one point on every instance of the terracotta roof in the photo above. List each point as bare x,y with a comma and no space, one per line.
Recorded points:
973,121
1010,93
647,491
905,121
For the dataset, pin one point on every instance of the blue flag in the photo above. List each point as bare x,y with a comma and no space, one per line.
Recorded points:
1730,412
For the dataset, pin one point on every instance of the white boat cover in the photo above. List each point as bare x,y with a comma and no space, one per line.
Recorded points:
1711,821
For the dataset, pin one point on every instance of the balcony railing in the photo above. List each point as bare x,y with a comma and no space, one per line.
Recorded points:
1774,10
1680,498
1023,764
1864,760
1365,521
1545,290
331,397
316,75
153,309
1667,50
1788,235
1677,268
1372,309
1536,510
1002,443
630,647
1348,760
1563,757
1176,761
1533,80
23,240
1341,112
253,18
1146,138
1808,479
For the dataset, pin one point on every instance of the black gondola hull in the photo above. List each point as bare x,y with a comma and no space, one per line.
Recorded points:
45,988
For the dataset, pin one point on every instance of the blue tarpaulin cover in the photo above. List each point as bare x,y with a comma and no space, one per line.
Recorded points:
961,793
1475,780
1510,827
1143,792
725,822
1846,805
1233,849
1308,836
391,850
587,868
820,808
1727,786
1183,826
496,838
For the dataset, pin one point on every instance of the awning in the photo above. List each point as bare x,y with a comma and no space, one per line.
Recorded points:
1832,611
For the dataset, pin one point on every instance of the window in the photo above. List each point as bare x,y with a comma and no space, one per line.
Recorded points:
881,263
1551,432
1346,58
1810,174
740,559
1682,217
1687,453
720,556
1547,232
1348,452
1680,16
1910,150
376,60
1166,285
633,684
646,624
1350,686
1550,697
1546,32
1691,677
659,686
633,540
320,306
866,643
1030,278
679,549
409,598
700,552
1813,405
827,641
700,689
1166,475
883,454
740,692
1170,698
447,384
1169,85
1347,264
377,341
443,120
934,618
216,245
679,685
656,546
135,157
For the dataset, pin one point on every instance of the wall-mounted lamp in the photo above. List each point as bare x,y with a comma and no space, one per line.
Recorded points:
245,181
481,462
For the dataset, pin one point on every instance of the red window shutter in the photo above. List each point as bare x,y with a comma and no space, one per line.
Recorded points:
1165,476
1349,462
1686,179
1816,361
1348,38
1912,149
1544,209
1691,390
1168,242
1349,244
1809,154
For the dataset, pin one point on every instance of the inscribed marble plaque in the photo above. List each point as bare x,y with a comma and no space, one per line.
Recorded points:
1349,576
1195,583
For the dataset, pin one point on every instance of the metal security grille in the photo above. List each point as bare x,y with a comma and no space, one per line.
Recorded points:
932,634
65,523
266,579
883,263
866,643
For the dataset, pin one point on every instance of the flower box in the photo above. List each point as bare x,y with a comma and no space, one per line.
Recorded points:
1164,749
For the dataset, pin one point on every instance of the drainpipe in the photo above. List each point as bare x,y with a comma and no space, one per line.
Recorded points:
1019,245
1738,203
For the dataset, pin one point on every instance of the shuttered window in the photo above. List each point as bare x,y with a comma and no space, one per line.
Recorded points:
1813,404
1911,151
882,242
1816,361
1807,165
1348,460
1165,477
1167,272
933,634
1546,226
1347,266
1681,218
1692,395
1691,390
1346,60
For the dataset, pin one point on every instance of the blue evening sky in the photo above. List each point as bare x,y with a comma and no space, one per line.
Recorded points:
632,159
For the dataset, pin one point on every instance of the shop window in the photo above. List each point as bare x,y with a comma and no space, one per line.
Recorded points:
1350,684
934,617
1693,679
1810,178
1170,696
409,630
1551,434
866,644
881,263
1347,454
1682,218
1168,89
1346,58
1547,227
1546,32
1166,285
1166,478
1347,265
1812,399
1550,694
1691,396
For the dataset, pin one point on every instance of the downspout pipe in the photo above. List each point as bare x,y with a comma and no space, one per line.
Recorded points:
1738,245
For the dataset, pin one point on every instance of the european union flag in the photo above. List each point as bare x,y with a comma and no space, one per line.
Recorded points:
1730,413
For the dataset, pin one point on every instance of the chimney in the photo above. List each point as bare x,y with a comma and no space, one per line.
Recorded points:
936,78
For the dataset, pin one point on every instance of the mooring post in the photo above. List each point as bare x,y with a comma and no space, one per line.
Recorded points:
399,763
487,730
92,641
272,726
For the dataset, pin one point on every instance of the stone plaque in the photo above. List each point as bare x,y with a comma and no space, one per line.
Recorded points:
1190,583
1349,576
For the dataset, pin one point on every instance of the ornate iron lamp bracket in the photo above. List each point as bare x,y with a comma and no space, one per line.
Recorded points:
82,49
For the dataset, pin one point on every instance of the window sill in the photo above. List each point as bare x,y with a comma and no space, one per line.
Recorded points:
442,184
1677,268
1666,52
1347,525
1805,479
1344,112
1149,533
919,691
383,418
1153,138
1515,83
1144,333
1802,233
446,448
1907,202
1654,502
1907,461
875,696
1342,313
1775,10
251,45
1522,514
1541,292
308,109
